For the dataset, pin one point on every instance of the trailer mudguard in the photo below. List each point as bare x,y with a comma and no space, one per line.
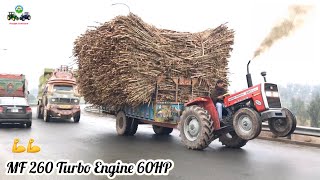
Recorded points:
207,104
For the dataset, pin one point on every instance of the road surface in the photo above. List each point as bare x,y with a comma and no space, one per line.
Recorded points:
94,137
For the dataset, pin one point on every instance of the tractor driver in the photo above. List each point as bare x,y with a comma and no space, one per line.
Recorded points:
218,95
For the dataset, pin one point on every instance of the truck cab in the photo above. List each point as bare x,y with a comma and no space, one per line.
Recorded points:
60,97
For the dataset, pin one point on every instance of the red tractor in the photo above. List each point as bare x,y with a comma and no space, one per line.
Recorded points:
242,118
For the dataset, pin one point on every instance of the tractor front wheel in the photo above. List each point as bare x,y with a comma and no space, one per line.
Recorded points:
162,130
283,127
196,128
247,123
234,142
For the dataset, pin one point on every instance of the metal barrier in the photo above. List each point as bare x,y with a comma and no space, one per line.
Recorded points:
301,130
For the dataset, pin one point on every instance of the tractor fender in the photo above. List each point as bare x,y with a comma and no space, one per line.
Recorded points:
208,105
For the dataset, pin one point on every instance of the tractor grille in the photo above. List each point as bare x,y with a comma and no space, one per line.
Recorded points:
274,102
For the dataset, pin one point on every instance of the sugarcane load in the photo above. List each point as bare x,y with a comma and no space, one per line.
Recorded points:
121,61
143,74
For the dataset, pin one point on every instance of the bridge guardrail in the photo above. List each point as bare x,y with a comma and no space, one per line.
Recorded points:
301,130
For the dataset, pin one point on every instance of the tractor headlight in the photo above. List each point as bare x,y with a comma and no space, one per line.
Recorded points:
53,100
272,94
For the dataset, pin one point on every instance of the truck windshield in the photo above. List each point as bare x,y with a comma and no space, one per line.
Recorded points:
62,88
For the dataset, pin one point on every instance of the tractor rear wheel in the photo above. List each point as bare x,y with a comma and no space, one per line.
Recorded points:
234,142
283,127
162,130
247,123
126,126
196,128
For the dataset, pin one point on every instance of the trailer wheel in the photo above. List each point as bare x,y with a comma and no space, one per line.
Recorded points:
162,130
134,126
283,127
196,128
234,142
247,123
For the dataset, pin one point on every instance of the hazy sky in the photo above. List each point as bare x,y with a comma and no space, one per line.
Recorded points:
47,40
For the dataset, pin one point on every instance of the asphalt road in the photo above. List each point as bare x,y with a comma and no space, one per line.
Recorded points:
94,137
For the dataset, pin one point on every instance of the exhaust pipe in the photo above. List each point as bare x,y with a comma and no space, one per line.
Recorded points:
249,79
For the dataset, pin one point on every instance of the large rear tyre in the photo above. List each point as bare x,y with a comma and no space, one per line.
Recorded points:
162,130
126,126
247,123
196,128
234,142
283,127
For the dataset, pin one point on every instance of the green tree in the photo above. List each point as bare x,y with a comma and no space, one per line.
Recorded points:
298,108
314,110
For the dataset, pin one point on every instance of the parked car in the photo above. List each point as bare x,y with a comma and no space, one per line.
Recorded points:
15,110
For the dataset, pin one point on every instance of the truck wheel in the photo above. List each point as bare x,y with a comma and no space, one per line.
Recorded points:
134,126
123,124
162,130
234,142
76,118
39,115
283,127
247,123
46,116
196,128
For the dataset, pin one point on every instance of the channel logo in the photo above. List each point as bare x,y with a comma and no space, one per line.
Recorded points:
18,15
